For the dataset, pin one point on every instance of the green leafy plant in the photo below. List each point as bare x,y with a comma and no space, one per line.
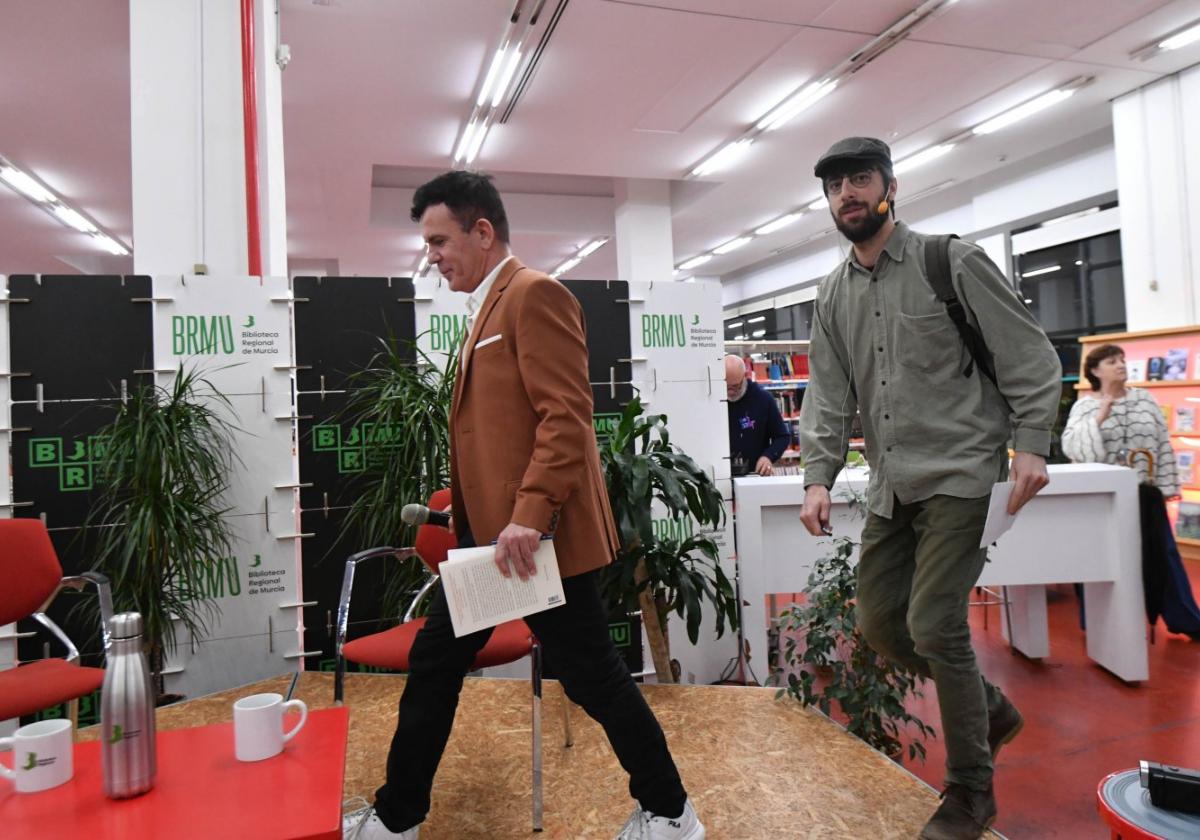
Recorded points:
828,661
158,518
662,575
403,408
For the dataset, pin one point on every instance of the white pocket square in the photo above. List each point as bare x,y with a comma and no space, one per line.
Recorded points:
486,341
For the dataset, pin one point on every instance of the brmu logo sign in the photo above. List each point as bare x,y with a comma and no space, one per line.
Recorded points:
673,529
446,331
202,335
663,331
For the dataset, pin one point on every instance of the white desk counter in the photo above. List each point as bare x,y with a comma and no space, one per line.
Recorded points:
1082,528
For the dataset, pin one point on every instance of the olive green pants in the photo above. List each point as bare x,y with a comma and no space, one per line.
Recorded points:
915,576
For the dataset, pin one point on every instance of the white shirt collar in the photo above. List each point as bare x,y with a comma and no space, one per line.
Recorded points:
477,297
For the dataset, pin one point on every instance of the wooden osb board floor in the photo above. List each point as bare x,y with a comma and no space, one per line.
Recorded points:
754,767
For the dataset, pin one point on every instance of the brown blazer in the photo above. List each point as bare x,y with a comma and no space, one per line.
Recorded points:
522,446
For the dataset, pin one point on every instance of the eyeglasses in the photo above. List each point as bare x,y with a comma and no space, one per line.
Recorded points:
833,184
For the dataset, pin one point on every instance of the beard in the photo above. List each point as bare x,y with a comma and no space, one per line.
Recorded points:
863,228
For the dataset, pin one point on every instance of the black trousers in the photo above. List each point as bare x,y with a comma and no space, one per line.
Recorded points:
576,642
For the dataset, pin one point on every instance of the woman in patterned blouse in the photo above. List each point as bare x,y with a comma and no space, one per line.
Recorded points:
1106,426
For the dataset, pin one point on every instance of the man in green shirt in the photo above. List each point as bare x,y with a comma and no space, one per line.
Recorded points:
937,426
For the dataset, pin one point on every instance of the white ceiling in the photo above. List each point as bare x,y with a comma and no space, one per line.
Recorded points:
378,91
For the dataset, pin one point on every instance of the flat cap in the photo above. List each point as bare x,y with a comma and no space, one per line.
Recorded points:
853,148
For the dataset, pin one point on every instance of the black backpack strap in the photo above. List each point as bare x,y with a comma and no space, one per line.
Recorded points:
937,272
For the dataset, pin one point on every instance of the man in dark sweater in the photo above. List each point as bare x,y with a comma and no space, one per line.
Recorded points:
757,432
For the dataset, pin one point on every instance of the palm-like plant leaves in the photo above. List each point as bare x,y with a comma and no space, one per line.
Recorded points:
641,464
406,405
158,518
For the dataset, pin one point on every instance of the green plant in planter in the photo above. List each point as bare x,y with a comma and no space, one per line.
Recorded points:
405,405
662,575
158,519
829,660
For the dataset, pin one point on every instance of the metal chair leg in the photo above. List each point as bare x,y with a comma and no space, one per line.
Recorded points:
568,735
535,655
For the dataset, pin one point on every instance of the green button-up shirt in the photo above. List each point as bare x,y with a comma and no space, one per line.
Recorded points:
882,342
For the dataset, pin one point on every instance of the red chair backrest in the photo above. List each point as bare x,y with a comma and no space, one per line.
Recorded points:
433,541
28,566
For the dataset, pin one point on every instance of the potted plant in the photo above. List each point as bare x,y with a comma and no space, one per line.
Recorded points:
403,406
662,575
158,518
828,661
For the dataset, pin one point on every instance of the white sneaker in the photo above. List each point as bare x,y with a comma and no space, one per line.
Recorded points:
644,825
364,824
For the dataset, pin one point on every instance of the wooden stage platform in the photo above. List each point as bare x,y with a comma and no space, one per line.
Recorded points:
754,766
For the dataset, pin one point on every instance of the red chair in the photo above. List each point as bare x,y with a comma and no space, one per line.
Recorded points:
390,649
32,579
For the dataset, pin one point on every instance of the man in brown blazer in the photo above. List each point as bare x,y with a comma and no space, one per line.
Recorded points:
523,465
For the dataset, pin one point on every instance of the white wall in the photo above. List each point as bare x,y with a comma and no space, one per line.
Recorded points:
1157,136
996,200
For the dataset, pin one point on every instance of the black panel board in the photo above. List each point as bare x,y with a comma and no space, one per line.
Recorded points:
339,321
78,335
53,462
606,314
338,329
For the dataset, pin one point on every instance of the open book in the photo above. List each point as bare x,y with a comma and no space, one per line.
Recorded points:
479,596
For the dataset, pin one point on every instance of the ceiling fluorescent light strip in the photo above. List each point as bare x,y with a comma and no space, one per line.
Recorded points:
796,104
492,73
25,184
566,266
694,262
725,158
778,224
1048,269
45,198
591,248
921,158
732,245
1023,111
1181,39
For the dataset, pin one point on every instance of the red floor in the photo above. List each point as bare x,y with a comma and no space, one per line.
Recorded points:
1081,723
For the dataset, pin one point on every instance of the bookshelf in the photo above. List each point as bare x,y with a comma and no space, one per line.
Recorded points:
1176,354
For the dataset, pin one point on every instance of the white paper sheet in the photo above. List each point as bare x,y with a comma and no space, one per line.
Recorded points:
998,518
479,596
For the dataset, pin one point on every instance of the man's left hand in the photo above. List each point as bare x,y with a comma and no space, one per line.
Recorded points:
516,545
763,467
1029,476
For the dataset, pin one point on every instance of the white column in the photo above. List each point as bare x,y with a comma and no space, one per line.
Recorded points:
188,152
645,252
1156,133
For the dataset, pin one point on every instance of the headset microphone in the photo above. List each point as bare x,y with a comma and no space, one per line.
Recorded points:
883,207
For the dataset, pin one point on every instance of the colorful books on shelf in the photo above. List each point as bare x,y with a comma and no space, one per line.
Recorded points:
1154,368
1185,419
1187,524
1185,462
1135,370
1175,364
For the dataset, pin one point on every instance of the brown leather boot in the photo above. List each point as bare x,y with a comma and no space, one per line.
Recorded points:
1003,726
964,814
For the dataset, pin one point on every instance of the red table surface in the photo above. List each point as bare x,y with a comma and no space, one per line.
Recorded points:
202,790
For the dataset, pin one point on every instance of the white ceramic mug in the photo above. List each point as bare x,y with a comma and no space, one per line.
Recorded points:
258,725
43,755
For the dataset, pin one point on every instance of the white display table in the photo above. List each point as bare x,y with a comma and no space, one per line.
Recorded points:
1083,528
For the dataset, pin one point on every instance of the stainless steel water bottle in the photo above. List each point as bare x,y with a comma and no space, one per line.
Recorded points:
127,712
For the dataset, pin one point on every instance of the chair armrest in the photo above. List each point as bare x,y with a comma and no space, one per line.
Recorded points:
343,616
424,590
78,582
103,592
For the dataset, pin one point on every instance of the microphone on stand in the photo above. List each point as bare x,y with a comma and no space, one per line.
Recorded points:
415,514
